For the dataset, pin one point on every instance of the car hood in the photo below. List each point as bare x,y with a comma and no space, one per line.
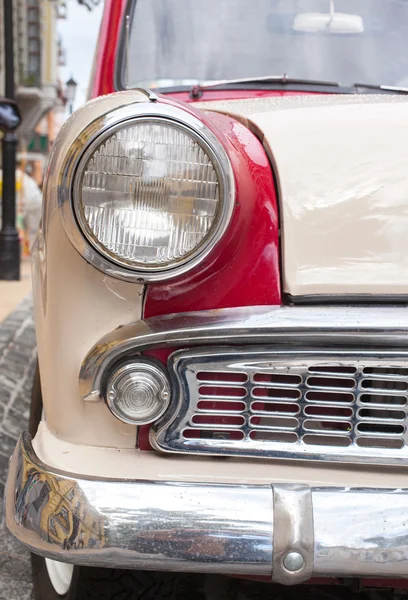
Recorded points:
341,166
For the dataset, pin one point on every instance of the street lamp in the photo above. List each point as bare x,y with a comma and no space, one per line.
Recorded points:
71,85
10,119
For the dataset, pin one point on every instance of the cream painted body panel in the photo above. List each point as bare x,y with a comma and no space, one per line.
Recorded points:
333,226
342,169
121,463
75,304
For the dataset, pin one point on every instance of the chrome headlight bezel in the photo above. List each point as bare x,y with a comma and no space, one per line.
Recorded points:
77,157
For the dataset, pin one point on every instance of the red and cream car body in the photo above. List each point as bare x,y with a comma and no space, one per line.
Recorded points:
220,286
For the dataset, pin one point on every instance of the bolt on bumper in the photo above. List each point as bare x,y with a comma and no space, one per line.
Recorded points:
286,532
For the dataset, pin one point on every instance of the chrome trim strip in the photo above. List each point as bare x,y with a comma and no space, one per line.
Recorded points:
92,135
147,92
360,299
215,528
293,533
328,326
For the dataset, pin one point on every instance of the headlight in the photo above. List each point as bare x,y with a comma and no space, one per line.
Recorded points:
153,194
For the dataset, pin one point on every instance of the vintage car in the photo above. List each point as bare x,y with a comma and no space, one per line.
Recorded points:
220,290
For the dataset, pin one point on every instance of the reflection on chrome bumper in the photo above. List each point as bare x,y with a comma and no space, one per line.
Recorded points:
236,529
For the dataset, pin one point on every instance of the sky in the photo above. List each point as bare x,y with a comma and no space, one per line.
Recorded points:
79,33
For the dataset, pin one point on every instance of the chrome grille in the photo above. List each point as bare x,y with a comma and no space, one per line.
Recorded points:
323,405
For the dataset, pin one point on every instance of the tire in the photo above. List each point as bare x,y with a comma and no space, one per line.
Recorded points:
119,584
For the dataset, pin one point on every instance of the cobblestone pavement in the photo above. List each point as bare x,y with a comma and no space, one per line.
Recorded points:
17,364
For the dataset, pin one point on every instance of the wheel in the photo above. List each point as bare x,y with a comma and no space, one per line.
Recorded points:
54,580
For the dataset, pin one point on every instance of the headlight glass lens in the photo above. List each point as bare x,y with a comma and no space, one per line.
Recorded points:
149,195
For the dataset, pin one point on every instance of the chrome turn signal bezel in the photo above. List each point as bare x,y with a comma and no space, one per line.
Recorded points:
78,155
143,366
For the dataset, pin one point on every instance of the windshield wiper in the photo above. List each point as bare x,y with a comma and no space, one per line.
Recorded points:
197,90
382,88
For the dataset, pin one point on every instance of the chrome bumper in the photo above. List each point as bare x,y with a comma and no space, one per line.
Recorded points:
235,529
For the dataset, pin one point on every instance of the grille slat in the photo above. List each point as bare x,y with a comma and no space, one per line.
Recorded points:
380,416
210,407
382,400
351,408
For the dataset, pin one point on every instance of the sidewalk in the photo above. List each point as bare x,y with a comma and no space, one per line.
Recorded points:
13,292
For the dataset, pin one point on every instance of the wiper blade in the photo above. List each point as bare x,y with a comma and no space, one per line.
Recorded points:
197,90
381,88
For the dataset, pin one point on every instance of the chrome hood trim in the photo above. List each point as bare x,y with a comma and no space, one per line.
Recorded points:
286,532
328,326
342,171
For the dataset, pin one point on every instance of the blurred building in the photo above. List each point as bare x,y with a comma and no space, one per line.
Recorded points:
33,156
37,52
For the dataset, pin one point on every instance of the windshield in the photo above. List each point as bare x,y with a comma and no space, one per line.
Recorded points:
181,42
